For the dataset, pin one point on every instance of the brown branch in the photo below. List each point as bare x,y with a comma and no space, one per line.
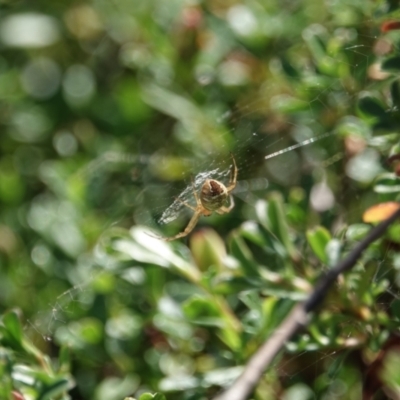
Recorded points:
261,360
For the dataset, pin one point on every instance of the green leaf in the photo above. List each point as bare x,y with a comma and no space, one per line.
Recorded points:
336,365
391,64
251,299
230,285
198,308
287,104
64,359
12,323
149,396
242,253
391,365
285,294
279,225
251,231
213,312
318,238
207,249
11,329
318,336
333,251
387,183
363,284
372,107
395,93
351,125
145,248
395,308
288,69
222,376
357,231
56,389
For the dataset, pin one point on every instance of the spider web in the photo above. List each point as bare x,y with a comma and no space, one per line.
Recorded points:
152,206
175,209
247,135
154,202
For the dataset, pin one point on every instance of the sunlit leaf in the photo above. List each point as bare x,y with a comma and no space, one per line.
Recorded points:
380,212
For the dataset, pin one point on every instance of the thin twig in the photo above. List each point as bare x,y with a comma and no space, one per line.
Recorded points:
261,360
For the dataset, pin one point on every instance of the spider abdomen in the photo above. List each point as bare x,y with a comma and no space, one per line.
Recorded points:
213,195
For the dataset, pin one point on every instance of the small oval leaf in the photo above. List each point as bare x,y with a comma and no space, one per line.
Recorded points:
372,107
380,212
318,238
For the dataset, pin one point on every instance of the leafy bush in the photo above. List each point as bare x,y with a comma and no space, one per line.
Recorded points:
108,109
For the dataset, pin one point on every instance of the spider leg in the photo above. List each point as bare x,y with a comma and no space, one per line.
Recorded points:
198,202
195,196
185,203
223,209
233,179
198,212
192,223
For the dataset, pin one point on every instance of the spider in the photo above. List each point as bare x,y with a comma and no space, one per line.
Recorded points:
213,196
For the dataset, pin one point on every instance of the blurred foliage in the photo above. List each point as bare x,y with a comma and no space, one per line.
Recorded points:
108,108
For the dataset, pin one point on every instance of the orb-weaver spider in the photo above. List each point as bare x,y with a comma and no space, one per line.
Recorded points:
213,196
